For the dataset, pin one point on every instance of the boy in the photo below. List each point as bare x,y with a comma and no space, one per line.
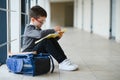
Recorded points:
33,33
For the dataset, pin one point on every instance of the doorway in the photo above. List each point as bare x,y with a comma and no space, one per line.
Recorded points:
62,14
69,15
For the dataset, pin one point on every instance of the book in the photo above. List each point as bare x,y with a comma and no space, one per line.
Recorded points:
52,35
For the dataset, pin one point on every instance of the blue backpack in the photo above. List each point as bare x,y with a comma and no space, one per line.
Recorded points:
34,64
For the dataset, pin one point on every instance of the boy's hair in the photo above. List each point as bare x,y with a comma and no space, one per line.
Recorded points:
37,11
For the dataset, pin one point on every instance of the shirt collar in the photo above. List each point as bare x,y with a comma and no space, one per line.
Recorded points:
35,26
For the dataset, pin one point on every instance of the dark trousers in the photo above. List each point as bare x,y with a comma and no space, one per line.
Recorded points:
52,47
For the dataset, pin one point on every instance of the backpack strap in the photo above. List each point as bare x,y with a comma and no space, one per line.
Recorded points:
52,62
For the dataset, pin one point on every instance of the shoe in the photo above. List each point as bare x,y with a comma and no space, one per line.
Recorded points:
68,65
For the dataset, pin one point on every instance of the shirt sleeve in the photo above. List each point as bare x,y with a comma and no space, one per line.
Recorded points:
30,31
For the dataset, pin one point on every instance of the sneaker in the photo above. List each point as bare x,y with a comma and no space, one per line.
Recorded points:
68,65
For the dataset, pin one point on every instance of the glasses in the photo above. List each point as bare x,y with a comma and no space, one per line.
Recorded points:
42,21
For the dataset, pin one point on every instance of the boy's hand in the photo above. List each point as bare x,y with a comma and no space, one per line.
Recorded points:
57,28
60,34
59,31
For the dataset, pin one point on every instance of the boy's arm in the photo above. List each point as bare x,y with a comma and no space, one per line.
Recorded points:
30,31
39,34
46,32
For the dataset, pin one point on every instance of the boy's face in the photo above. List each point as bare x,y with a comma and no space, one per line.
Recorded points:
39,21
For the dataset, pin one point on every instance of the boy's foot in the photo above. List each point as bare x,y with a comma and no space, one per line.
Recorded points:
68,65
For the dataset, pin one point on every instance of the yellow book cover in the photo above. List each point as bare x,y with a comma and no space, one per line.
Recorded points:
53,35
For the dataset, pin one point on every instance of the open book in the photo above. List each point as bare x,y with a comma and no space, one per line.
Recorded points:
53,35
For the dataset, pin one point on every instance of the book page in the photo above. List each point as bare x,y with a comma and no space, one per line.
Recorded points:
53,35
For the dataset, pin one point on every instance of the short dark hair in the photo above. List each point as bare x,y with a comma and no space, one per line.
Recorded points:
37,11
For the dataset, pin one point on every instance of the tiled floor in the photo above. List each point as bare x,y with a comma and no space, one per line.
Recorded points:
97,57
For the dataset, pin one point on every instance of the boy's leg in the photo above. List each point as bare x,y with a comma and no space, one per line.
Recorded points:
51,46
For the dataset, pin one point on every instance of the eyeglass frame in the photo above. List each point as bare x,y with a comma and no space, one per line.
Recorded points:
42,22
